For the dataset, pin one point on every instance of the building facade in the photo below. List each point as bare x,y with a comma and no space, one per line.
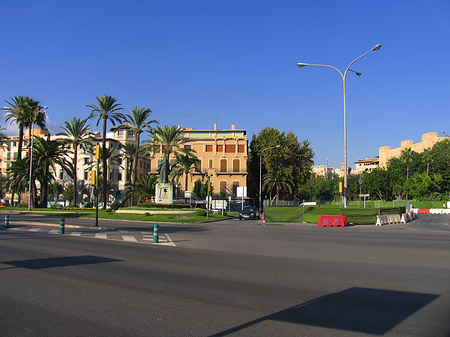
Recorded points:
366,165
222,155
428,141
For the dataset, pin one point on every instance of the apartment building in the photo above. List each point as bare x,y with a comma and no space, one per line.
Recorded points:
222,155
366,165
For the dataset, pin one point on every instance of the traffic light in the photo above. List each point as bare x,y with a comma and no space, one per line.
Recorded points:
97,151
92,177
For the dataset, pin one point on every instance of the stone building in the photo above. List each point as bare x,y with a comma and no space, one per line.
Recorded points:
428,141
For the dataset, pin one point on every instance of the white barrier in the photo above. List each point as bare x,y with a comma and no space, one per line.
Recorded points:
433,210
394,218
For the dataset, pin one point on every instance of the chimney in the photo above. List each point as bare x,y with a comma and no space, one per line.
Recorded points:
215,126
232,126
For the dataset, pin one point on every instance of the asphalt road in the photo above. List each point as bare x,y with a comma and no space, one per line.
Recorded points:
229,278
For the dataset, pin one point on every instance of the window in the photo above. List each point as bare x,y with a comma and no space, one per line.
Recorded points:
211,164
230,148
235,186
14,143
86,175
241,148
61,175
219,148
120,132
130,133
198,166
119,176
188,147
209,148
223,165
86,161
156,149
223,187
235,165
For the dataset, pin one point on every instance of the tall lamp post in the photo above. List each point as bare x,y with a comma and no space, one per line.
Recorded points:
344,76
260,171
33,116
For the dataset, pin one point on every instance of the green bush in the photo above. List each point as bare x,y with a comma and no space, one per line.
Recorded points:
116,205
200,212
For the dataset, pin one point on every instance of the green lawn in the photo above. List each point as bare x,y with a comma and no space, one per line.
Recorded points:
312,213
102,214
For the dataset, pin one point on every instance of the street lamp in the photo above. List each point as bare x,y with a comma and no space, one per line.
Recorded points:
33,116
343,75
260,171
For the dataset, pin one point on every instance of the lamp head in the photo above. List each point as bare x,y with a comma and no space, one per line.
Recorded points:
301,65
377,47
358,73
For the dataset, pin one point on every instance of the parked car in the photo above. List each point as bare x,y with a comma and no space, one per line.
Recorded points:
249,212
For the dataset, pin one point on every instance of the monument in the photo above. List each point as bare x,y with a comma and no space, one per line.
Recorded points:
164,189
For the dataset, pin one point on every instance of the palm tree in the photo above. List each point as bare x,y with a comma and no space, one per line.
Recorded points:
106,109
279,179
183,165
171,139
24,111
144,189
17,176
427,155
47,154
78,134
137,121
129,153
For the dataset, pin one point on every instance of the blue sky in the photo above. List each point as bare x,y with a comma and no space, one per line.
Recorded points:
196,63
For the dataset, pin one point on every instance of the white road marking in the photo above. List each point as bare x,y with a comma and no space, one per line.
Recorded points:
76,233
34,229
101,236
129,238
54,231
122,231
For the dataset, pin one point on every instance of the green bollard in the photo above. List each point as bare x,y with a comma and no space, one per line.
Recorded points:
156,233
6,221
61,226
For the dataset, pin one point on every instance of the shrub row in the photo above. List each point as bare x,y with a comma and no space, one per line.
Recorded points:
153,205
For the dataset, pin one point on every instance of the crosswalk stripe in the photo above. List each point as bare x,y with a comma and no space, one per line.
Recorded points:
101,236
76,233
129,238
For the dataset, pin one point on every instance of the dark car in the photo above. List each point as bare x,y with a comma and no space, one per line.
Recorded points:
249,212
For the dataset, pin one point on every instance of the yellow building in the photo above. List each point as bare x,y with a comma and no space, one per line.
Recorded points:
428,141
222,154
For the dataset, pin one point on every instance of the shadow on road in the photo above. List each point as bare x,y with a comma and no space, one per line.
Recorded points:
369,311
58,262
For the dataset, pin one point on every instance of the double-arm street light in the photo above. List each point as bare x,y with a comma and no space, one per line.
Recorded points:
260,171
343,75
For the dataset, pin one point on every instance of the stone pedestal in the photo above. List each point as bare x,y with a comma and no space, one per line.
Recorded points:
164,193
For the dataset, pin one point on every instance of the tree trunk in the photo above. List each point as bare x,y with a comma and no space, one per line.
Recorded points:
105,167
75,158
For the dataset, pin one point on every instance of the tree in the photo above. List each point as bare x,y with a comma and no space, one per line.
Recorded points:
48,154
78,134
106,109
143,190
23,111
291,156
171,139
183,165
280,180
138,122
